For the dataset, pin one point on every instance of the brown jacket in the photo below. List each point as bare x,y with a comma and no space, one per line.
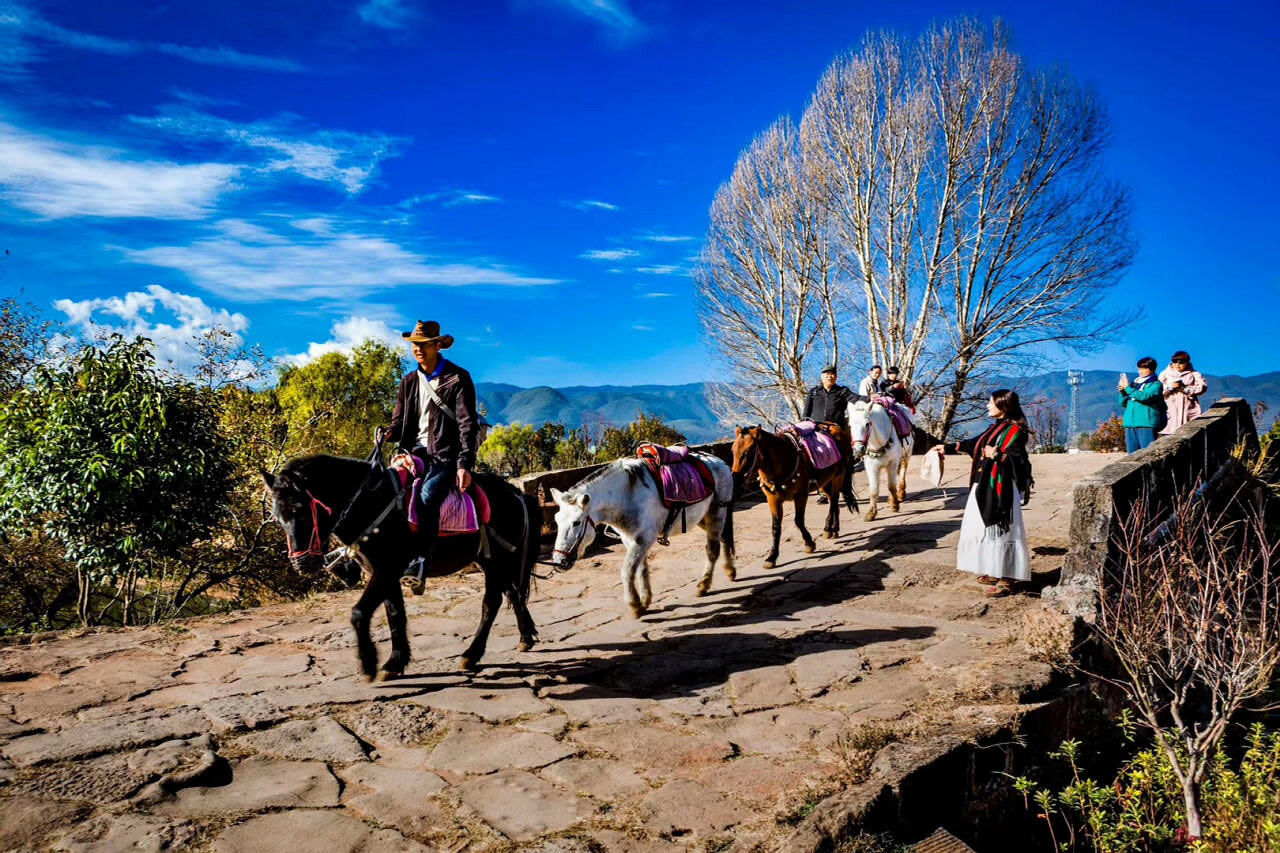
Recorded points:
449,441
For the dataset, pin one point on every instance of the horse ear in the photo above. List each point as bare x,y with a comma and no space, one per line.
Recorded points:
557,495
583,500
737,432
268,478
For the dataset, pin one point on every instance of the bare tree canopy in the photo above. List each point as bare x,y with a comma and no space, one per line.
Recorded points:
944,209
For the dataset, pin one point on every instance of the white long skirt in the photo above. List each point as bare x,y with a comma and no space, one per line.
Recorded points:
985,550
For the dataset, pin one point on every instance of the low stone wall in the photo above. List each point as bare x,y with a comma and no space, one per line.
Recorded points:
1196,454
539,485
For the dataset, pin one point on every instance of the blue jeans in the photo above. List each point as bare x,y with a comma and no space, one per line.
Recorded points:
436,482
1136,438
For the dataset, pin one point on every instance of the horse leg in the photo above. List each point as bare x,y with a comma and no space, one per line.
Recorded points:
710,525
399,624
891,472
873,485
775,511
903,465
799,502
521,579
361,615
833,488
632,563
725,535
489,606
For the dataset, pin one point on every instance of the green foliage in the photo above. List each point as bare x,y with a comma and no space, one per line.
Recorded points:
333,404
1107,438
509,450
619,442
1142,810
118,463
23,344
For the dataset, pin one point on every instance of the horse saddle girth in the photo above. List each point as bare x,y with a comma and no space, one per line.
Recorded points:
819,446
682,477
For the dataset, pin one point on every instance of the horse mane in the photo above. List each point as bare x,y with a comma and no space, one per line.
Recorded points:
633,467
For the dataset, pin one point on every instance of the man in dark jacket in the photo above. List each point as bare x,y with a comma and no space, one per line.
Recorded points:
435,419
829,403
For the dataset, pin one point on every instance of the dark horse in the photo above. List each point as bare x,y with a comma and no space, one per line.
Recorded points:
361,504
785,474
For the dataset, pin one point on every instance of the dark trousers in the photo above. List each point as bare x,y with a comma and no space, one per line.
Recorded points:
436,482
1136,438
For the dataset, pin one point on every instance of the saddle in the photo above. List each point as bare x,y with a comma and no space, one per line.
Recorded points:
821,448
898,413
681,477
461,512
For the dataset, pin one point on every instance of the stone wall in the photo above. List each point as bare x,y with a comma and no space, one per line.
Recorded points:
540,485
1196,454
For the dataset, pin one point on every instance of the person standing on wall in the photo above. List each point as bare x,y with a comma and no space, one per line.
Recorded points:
1143,403
1183,386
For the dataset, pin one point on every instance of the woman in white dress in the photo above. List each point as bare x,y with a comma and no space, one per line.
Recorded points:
993,540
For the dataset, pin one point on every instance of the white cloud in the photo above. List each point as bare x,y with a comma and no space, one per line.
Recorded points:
614,15
19,24
591,204
448,198
256,265
174,321
347,334
664,269
641,327
330,156
386,14
655,294
57,179
666,238
609,254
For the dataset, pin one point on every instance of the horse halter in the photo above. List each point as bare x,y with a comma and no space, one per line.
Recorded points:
315,548
571,553
866,435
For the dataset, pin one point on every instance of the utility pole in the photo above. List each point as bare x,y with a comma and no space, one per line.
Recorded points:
1075,378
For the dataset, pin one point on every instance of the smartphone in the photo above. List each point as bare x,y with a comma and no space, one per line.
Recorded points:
1124,377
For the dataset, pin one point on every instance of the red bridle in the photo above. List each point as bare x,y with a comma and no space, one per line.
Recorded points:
316,547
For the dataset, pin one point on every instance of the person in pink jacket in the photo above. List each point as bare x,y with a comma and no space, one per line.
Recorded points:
1183,386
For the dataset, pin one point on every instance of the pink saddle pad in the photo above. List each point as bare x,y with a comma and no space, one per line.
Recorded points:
901,420
822,449
681,482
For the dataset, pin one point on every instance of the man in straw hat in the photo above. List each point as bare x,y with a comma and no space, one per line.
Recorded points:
435,419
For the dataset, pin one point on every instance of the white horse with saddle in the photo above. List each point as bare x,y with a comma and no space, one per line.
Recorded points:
883,440
643,499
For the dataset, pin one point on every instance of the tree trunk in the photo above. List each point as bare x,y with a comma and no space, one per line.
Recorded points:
1191,801
82,599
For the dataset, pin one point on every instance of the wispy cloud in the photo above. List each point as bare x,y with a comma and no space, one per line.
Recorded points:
642,327
664,269
609,254
58,179
666,238
345,335
386,14
448,198
591,204
614,16
174,321
655,294
19,24
331,156
249,262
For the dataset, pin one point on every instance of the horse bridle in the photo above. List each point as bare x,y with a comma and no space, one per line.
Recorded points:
315,547
571,554
866,433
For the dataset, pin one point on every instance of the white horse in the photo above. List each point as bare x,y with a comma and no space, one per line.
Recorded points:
624,496
880,448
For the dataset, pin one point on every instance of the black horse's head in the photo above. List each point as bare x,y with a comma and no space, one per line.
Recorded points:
306,519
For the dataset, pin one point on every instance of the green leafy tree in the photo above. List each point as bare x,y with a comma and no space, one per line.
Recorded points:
617,442
120,464
573,450
333,404
24,341
510,450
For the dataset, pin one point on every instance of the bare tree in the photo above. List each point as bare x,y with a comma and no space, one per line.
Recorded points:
959,215
765,281
1192,614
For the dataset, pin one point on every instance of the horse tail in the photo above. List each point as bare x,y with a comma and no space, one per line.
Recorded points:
530,534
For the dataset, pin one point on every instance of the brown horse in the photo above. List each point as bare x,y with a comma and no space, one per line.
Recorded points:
785,474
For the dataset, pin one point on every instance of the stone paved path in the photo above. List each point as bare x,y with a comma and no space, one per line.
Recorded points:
711,724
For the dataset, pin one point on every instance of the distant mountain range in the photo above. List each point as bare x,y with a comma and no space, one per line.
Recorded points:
685,407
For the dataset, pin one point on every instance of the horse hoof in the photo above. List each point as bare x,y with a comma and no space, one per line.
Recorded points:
731,573
526,645
466,664
703,589
390,675
769,564
871,516
637,611
810,548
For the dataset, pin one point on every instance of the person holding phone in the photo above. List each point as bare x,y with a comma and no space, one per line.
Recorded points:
1183,386
1143,403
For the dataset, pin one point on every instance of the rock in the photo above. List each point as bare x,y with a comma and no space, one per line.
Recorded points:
654,749
522,806
482,749
321,739
495,706
681,808
87,738
126,833
25,821
396,798
603,778
311,832
258,784
767,687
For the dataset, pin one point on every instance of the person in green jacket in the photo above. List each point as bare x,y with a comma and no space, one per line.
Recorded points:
1143,402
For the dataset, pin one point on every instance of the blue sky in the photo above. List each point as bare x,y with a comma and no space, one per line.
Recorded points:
536,174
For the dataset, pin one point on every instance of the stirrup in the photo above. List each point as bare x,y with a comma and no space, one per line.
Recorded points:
414,579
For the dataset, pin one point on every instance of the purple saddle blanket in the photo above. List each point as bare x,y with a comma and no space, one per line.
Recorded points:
681,481
898,414
458,513
822,449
